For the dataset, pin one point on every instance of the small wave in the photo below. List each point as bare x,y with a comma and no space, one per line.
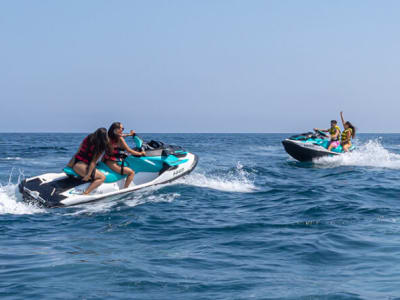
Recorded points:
11,202
103,205
267,148
370,154
131,199
11,158
237,181
152,198
48,148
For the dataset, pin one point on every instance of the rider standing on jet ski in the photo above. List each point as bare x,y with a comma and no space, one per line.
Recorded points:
114,159
84,161
334,133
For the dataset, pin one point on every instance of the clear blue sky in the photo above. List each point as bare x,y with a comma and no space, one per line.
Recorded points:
199,66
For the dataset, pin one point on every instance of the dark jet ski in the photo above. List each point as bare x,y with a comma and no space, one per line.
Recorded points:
308,146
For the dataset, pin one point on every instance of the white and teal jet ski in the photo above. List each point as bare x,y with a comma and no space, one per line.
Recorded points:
162,164
308,146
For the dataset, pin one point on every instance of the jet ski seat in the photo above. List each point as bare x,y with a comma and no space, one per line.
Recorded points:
70,172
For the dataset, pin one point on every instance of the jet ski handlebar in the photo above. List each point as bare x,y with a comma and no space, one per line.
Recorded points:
319,132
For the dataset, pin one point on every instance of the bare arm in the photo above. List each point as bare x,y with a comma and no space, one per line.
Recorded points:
72,160
128,149
341,116
323,130
131,133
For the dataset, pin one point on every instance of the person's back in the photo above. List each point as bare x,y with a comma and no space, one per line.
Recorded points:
84,161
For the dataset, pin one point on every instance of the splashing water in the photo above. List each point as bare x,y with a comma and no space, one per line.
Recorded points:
370,154
236,181
11,200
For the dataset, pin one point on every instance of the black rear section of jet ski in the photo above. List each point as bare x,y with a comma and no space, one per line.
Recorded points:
51,191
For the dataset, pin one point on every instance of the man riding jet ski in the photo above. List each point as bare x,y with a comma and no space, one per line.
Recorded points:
161,163
334,133
308,146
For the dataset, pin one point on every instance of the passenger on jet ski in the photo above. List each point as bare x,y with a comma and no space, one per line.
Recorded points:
348,133
334,133
114,158
84,161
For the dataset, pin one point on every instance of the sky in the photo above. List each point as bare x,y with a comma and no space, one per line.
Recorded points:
199,66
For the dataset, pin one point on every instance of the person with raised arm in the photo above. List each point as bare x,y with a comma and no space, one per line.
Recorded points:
348,133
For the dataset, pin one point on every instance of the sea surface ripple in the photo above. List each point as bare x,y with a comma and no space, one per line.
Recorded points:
248,223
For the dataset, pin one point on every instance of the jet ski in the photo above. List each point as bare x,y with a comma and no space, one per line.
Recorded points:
310,145
162,163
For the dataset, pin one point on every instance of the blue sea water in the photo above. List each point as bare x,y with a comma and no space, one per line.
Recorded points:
248,223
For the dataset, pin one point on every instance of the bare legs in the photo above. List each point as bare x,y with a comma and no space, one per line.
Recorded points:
81,169
346,147
127,171
332,144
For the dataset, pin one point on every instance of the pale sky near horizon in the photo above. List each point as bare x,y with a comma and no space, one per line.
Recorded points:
199,66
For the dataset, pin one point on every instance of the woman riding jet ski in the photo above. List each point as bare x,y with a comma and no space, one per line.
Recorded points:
308,146
161,163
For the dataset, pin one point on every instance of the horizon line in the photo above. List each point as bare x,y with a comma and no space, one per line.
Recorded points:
85,132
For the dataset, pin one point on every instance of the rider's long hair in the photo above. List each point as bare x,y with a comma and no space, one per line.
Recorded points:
111,133
100,140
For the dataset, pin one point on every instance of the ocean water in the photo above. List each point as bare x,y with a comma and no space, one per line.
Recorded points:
248,223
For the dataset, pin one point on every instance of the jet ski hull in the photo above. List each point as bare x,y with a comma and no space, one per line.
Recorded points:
60,189
305,152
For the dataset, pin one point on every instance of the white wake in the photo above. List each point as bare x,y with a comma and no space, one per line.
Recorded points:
236,181
370,154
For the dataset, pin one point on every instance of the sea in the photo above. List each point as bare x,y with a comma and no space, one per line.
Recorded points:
248,223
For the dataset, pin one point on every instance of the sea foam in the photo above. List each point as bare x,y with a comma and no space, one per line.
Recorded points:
369,154
236,181
11,202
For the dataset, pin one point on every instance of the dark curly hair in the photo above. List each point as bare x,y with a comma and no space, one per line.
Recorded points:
100,140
